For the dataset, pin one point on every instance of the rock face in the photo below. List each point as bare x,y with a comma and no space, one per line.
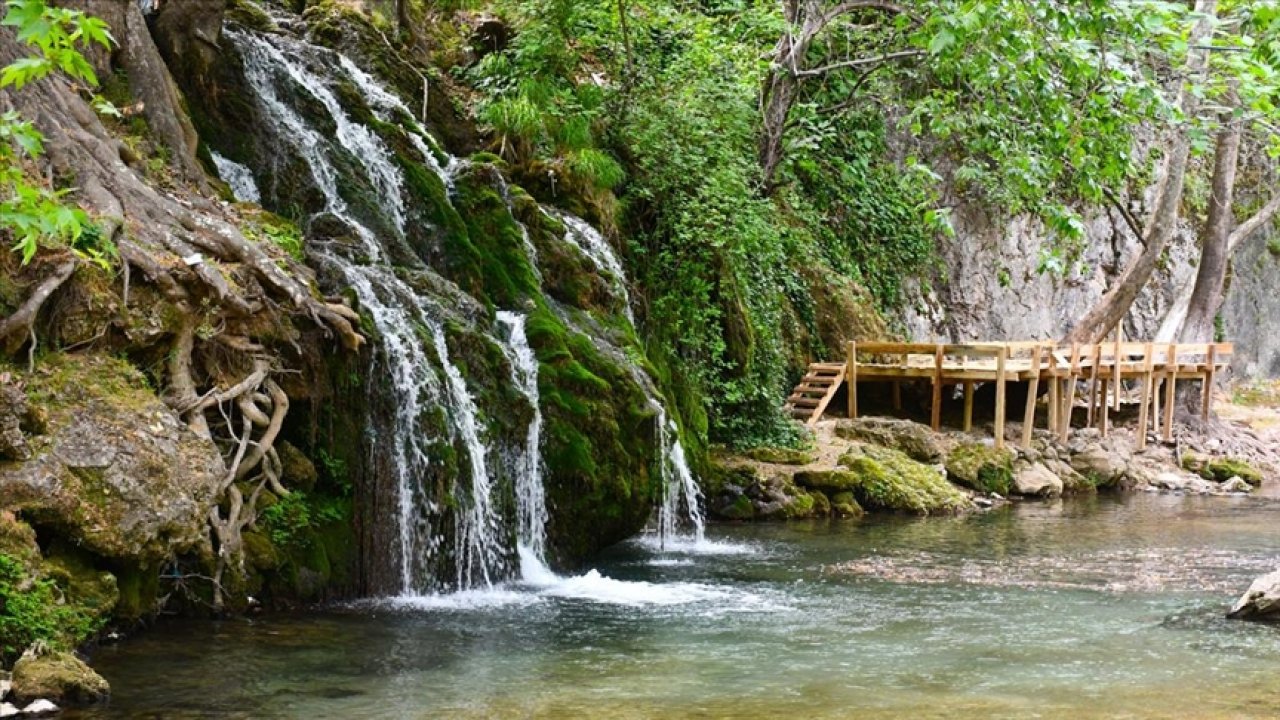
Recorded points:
1261,601
115,472
58,677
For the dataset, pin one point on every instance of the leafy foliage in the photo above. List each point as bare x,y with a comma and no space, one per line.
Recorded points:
33,212
34,609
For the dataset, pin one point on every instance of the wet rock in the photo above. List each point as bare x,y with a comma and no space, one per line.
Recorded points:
1036,480
1222,469
918,442
57,676
297,469
844,504
1261,601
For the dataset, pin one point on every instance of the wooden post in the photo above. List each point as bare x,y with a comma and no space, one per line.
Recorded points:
1093,385
1207,400
851,378
1155,404
968,405
1069,397
1149,351
1029,416
1000,392
1170,390
897,396
1105,404
1116,360
1053,390
938,354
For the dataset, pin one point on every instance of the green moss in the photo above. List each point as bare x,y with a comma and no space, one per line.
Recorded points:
844,504
741,509
61,603
781,456
834,480
251,15
1222,469
491,261
889,480
802,505
139,588
981,468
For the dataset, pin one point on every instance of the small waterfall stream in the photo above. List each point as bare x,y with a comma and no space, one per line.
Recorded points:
466,536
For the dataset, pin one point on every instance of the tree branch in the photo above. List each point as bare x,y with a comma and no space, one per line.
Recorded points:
850,5
859,62
1260,218
1129,219
25,316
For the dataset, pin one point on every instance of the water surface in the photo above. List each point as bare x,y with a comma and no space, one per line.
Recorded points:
1096,608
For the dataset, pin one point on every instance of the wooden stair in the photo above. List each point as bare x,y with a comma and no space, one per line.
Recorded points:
814,393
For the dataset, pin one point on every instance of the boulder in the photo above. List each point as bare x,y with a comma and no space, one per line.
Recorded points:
1261,601
889,480
981,467
781,456
918,442
1103,467
835,480
1036,480
844,504
115,471
57,676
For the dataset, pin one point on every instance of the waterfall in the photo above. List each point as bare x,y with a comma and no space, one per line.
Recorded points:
531,500
450,533
402,319
679,488
590,242
239,178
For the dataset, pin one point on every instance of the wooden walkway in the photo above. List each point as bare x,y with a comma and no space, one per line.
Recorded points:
1105,367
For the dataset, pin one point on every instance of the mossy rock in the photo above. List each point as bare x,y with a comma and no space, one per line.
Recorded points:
833,480
889,480
981,467
740,509
60,677
781,456
844,504
297,471
918,442
801,505
1222,469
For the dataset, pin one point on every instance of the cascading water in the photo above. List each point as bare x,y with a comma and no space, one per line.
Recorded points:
239,178
531,498
401,318
468,535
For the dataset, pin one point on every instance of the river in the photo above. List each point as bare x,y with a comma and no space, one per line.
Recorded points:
1089,608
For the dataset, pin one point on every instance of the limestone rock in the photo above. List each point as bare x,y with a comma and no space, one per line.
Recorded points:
58,676
1036,480
918,442
1236,485
1102,466
834,480
116,471
1261,601
780,456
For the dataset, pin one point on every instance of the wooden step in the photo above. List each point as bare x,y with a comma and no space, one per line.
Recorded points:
804,402
823,379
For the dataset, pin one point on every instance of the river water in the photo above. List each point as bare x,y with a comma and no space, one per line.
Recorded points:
1098,608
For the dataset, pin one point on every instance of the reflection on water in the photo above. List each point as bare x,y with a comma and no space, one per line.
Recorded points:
1084,609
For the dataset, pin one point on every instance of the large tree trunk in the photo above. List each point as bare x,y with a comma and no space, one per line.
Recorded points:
1111,309
1214,251
149,80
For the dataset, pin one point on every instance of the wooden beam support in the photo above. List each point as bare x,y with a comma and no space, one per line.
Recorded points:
1069,396
1094,375
1106,405
1207,401
1170,391
1001,359
851,378
1146,395
968,405
1118,385
939,354
1029,416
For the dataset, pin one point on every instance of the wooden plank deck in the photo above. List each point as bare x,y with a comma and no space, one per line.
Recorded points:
1105,367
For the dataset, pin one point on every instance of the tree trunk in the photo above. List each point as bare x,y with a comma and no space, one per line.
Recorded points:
1214,251
1111,309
